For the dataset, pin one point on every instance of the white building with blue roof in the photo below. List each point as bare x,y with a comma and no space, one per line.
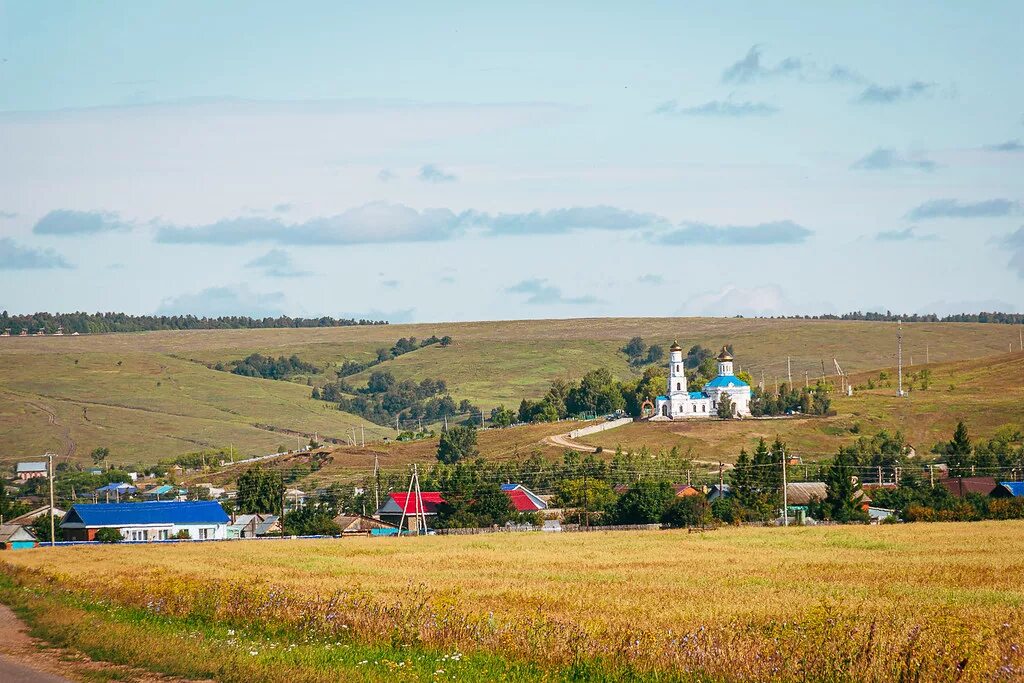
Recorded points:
679,403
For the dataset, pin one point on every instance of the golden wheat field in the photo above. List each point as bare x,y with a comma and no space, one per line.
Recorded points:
912,602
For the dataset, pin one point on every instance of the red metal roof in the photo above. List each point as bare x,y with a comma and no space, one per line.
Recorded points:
407,503
522,502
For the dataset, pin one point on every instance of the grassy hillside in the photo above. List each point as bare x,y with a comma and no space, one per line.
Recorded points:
157,403
934,602
146,406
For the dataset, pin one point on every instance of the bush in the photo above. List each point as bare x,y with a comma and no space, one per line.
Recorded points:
182,535
109,536
688,511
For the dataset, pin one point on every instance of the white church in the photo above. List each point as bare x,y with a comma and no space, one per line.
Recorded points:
682,404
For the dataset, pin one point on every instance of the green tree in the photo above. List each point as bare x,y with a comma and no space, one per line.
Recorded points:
725,407
9,508
41,528
311,520
644,503
109,535
259,491
635,347
688,511
99,454
502,416
586,498
842,502
958,452
457,443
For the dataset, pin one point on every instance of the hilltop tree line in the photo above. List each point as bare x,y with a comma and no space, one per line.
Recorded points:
401,347
256,365
889,316
384,399
97,323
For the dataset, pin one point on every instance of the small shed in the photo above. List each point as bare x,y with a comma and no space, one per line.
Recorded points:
16,537
361,525
254,526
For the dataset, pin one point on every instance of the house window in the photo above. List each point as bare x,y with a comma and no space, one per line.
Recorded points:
162,535
204,534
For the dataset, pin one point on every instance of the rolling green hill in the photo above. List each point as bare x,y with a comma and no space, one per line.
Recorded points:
143,396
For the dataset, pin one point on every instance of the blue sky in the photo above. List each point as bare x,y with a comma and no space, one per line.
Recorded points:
458,161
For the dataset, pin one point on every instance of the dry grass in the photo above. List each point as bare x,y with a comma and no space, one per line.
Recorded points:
873,601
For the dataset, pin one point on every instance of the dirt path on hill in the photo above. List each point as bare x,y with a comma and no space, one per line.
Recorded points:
24,659
566,441
70,447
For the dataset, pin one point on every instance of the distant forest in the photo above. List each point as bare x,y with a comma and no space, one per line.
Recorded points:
96,323
889,316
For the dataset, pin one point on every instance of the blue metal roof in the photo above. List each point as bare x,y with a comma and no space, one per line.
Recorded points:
121,487
160,490
662,398
509,487
156,512
1015,487
725,380
697,394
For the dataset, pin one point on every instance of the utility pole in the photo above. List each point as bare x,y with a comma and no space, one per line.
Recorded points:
785,494
899,359
376,481
405,507
927,355
362,432
53,537
879,475
789,371
721,478
354,442
806,379
586,505
931,475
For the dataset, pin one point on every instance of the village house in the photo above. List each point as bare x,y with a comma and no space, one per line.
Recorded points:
32,515
397,505
115,490
149,521
522,499
361,525
983,486
16,537
254,526
1016,488
30,470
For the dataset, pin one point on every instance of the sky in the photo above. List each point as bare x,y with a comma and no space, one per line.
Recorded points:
470,161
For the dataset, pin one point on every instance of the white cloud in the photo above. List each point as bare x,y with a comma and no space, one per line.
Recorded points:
227,300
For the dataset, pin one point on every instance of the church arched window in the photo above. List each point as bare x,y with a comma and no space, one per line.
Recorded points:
678,386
